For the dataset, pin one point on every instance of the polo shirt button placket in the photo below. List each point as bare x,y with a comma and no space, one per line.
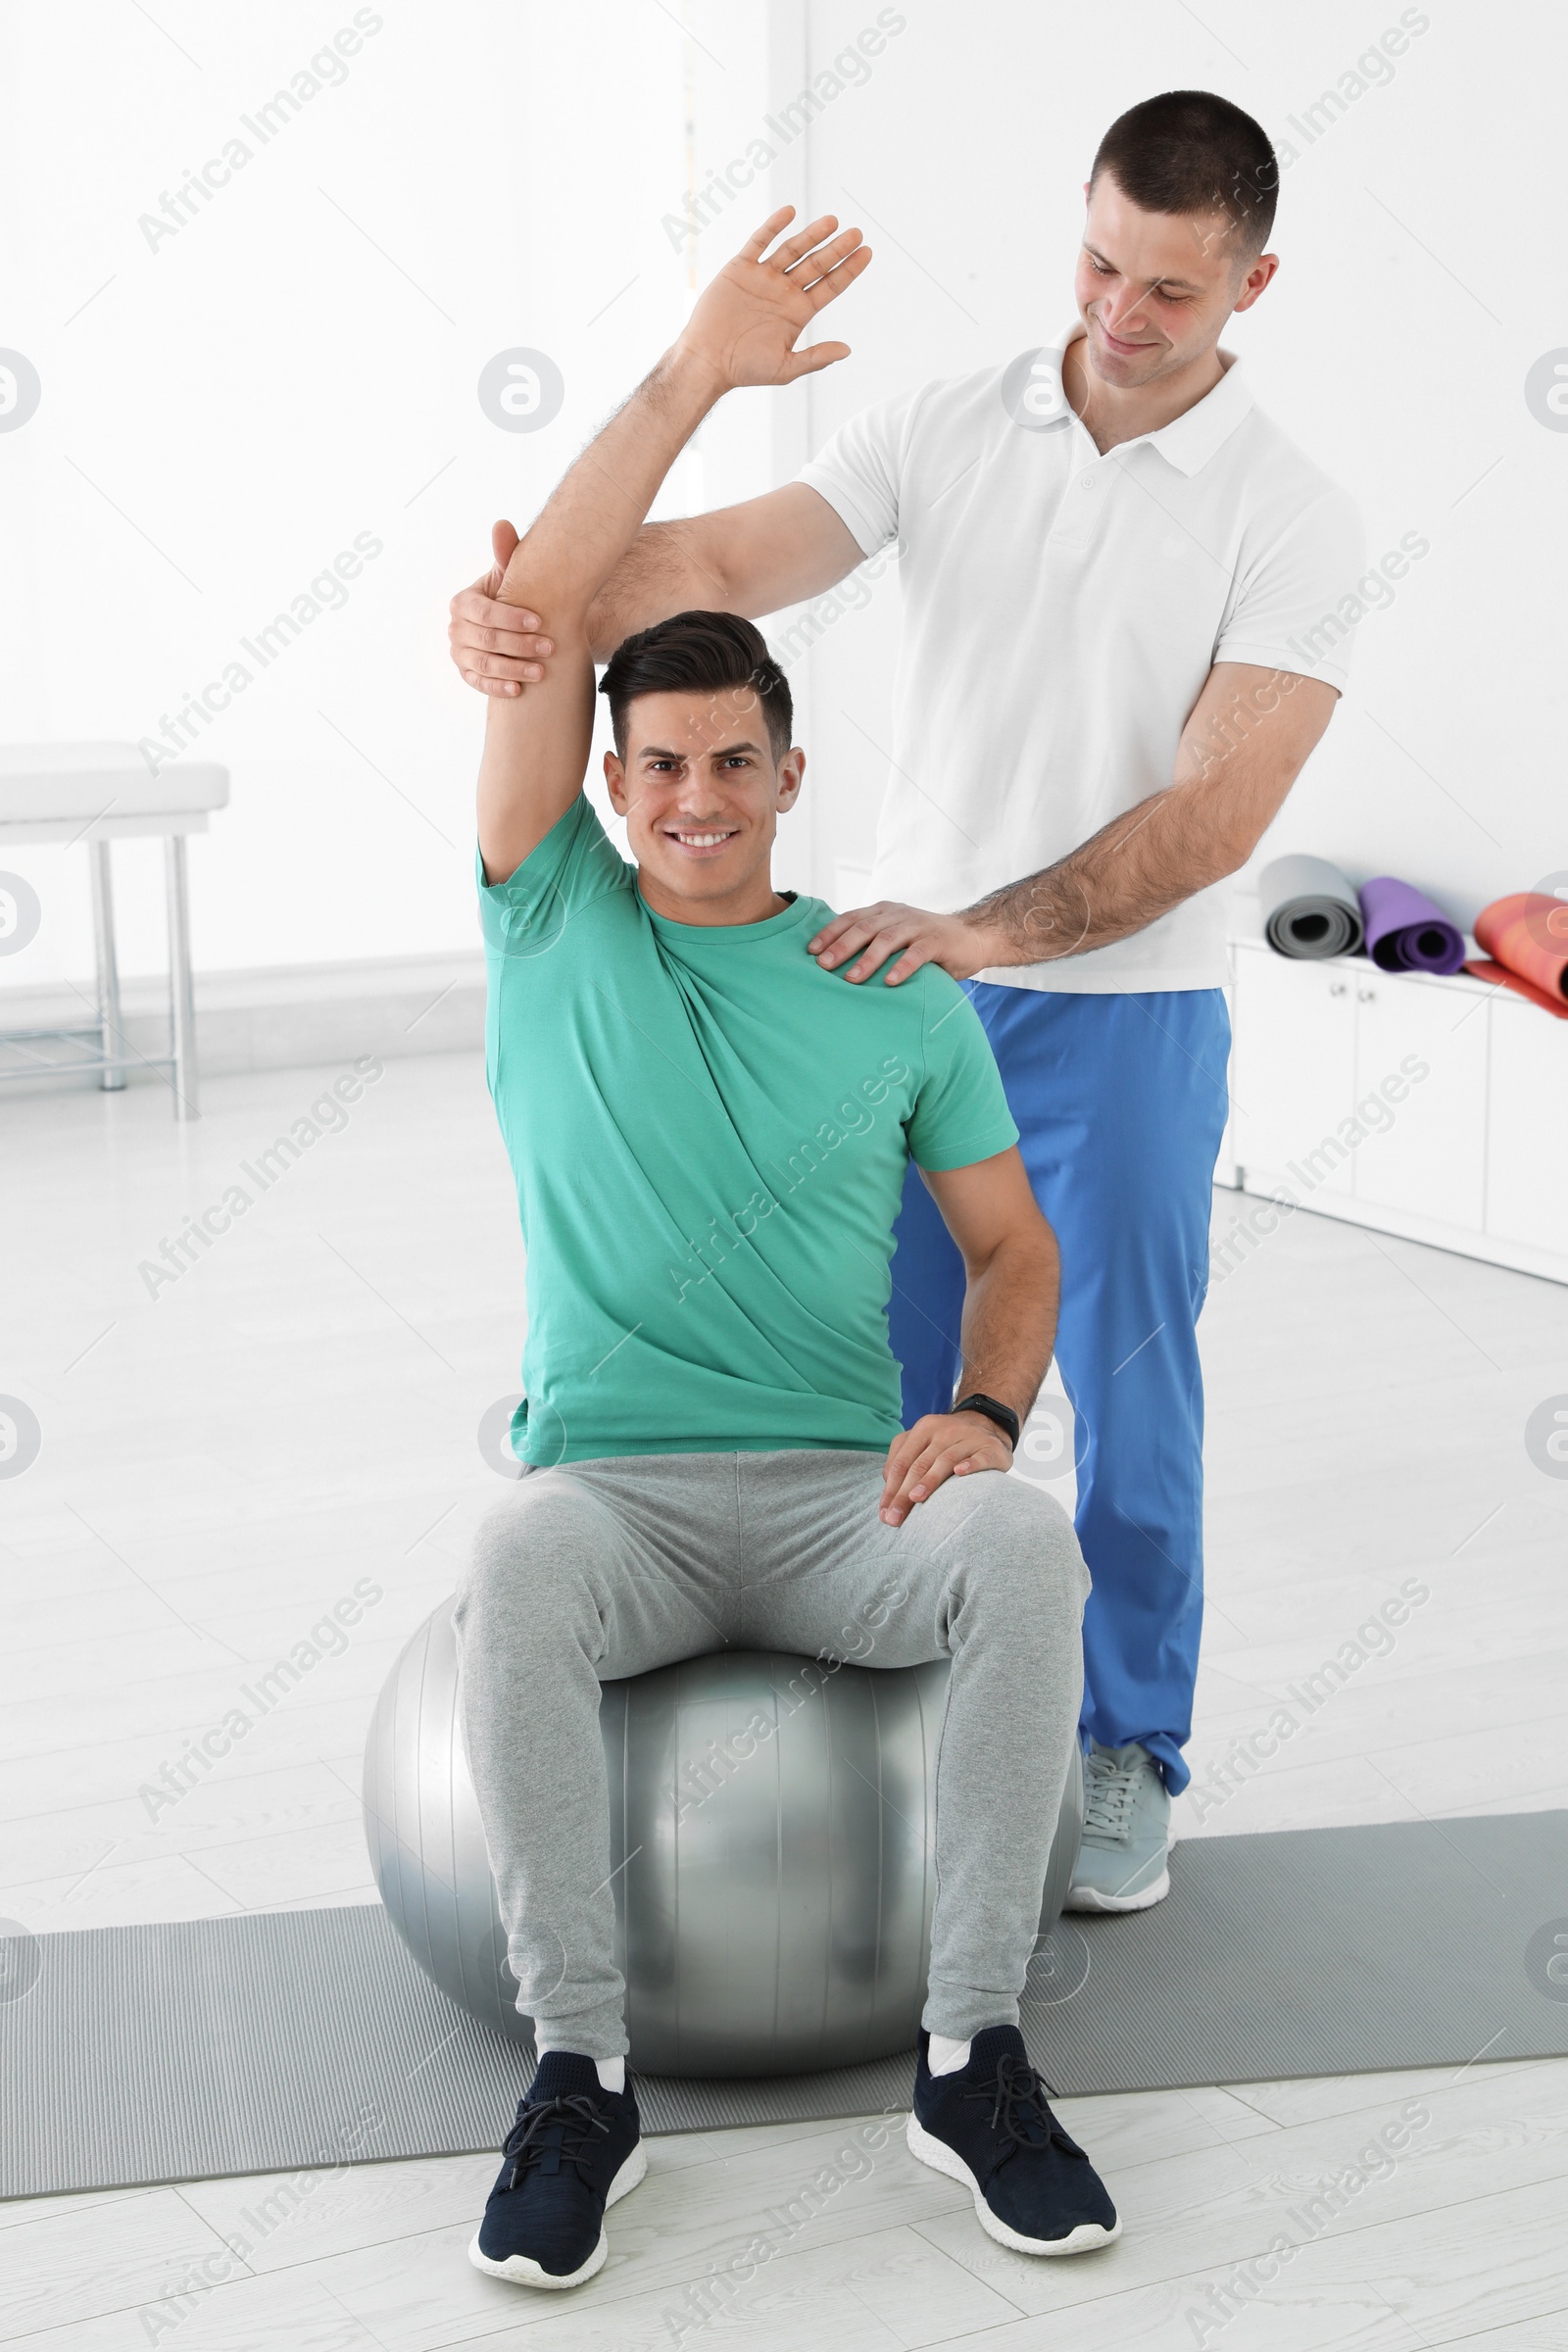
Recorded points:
1072,529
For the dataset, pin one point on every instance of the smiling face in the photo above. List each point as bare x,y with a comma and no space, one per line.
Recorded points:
1154,289
702,794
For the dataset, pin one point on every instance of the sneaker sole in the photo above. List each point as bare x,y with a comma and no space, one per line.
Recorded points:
1090,1898
1082,2240
522,2271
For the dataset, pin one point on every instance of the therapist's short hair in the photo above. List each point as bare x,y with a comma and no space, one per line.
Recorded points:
1187,150
698,653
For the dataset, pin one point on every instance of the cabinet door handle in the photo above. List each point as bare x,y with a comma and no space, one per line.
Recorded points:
1335,988
1366,996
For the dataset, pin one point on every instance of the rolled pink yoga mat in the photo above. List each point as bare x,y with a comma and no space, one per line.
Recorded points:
1526,934
1405,932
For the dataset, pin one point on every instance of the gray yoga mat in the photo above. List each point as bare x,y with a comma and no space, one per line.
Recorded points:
293,2040
1309,910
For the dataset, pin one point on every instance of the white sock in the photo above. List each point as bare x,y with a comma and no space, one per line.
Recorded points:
946,2057
612,2071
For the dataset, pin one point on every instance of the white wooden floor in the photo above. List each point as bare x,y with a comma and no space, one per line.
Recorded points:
221,1463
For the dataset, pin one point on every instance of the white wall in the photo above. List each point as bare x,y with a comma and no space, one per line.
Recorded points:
1420,236
297,364
221,416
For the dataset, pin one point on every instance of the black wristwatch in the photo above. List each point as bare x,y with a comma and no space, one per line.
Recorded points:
1006,1419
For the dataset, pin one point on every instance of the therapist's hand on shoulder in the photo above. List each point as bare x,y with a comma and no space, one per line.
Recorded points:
940,1447
871,934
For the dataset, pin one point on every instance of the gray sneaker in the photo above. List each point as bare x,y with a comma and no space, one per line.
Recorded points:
1122,1861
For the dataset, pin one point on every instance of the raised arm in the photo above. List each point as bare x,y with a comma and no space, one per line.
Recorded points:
744,330
536,749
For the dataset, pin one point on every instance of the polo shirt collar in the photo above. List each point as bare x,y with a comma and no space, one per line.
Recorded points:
1189,440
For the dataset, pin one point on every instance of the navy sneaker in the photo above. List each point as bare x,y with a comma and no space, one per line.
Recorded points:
574,2148
989,2126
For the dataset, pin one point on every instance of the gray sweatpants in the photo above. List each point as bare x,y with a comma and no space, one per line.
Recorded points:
608,1568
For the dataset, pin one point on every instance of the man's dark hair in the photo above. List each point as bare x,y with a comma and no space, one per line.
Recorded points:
698,653
1187,150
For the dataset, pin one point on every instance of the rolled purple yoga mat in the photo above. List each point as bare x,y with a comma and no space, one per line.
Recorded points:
1405,932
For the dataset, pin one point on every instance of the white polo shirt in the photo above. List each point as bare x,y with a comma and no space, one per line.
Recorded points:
1061,611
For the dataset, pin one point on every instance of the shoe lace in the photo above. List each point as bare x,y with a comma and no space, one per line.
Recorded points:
562,2127
1108,1798
1019,2115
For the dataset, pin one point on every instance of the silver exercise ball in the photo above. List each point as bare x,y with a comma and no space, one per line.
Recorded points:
772,1826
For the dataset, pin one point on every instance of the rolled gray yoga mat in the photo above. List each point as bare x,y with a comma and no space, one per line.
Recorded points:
1309,910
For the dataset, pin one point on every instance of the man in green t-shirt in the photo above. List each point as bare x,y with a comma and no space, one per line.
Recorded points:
710,1134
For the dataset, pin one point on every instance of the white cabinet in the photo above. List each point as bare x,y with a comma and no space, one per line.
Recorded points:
1292,1070
1527,1126
1434,1108
1421,1067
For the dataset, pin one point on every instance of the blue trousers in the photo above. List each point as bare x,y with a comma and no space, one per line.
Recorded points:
1120,1103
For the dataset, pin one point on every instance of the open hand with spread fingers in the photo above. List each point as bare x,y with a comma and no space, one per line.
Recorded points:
747,323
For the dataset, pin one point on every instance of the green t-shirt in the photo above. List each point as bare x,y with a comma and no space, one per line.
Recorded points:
709,1135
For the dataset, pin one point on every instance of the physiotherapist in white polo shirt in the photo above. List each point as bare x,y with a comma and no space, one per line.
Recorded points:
1128,605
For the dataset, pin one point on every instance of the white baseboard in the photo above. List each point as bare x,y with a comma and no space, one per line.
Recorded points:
1492,1249
283,1017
